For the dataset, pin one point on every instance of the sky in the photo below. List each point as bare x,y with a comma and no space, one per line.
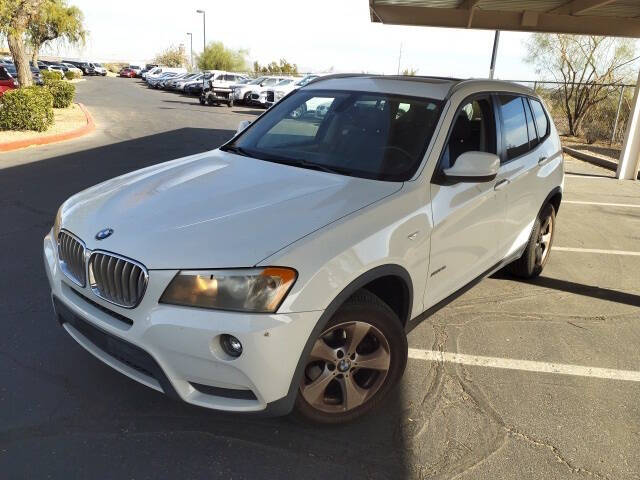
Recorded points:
317,36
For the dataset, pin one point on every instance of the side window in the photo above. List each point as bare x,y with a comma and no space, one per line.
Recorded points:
542,122
514,126
533,136
473,130
3,74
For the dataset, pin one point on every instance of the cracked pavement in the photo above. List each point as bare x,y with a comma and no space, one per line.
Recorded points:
63,414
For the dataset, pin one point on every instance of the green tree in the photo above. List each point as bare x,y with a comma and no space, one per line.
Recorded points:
15,16
172,57
55,20
586,66
218,57
410,72
275,68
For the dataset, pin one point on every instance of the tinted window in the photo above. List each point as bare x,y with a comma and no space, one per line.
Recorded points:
533,137
542,122
514,123
473,130
352,133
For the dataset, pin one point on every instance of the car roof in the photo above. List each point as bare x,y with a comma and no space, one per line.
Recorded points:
438,88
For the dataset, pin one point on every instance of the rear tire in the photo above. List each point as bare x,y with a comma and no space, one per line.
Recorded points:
336,387
537,252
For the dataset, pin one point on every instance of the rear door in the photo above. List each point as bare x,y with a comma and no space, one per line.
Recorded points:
517,181
467,216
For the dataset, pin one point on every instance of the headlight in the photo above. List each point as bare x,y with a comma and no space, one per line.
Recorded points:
278,95
259,290
56,224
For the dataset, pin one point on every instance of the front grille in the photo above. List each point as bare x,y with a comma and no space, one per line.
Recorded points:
116,279
71,255
270,96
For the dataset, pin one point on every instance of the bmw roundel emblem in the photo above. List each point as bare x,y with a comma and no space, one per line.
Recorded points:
104,233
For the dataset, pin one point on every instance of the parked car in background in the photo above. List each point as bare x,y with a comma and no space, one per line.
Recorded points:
13,72
86,67
155,81
242,92
170,83
284,269
277,92
154,74
99,69
181,85
136,69
7,80
219,88
258,94
127,73
73,68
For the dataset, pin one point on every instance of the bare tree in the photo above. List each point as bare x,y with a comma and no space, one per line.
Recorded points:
587,66
15,16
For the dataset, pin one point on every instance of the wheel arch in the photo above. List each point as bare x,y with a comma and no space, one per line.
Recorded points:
375,279
554,198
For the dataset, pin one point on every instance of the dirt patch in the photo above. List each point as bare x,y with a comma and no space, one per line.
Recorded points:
66,119
599,149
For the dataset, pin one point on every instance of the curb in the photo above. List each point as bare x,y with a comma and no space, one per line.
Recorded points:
59,137
601,162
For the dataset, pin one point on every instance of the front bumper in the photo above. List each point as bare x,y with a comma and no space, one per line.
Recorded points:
176,350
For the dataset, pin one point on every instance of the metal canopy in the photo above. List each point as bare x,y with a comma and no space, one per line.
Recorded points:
619,18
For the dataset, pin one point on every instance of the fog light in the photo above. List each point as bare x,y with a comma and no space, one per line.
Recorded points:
231,345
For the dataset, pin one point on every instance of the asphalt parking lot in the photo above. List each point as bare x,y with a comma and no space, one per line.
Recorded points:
513,380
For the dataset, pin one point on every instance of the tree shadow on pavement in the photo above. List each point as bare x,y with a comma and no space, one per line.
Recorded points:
59,403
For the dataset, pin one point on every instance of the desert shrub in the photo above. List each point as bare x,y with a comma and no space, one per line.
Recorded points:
62,92
115,67
48,75
70,75
29,108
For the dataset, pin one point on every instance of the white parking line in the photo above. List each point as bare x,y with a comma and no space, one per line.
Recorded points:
626,205
595,250
525,365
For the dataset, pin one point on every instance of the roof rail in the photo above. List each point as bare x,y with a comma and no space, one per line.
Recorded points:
411,78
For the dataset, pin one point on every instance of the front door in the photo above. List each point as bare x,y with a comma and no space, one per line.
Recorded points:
467,216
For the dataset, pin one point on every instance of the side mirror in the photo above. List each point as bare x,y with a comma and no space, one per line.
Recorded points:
474,167
242,125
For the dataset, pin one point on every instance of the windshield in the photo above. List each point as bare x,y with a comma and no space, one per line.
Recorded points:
370,135
256,81
286,81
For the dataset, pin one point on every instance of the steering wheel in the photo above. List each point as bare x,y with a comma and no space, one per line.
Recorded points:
398,149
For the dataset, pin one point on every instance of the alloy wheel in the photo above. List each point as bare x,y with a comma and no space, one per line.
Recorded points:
543,242
347,366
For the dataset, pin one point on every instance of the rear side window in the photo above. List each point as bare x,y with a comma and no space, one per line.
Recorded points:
514,126
542,122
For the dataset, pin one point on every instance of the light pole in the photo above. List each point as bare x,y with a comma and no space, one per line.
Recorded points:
204,28
204,37
191,40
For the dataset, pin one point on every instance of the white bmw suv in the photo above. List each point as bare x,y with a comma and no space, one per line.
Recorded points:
284,269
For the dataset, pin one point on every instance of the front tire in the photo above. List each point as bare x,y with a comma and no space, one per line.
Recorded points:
537,252
355,362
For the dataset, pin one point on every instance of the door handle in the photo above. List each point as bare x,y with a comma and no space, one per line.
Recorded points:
501,184
541,160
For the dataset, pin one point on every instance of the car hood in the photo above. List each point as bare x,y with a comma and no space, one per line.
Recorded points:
214,210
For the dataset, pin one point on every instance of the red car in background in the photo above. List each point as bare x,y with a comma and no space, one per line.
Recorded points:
127,73
7,82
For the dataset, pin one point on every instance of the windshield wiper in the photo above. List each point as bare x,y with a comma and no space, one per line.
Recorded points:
235,149
309,165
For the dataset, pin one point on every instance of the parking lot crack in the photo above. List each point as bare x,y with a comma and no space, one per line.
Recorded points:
515,433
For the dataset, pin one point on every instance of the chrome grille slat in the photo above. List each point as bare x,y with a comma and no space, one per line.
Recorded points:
117,279
71,254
